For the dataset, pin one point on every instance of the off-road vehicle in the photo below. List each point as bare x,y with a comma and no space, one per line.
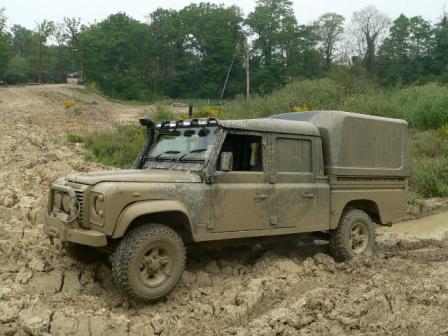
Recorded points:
203,180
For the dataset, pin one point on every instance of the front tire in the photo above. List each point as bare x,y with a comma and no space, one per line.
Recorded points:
149,262
354,236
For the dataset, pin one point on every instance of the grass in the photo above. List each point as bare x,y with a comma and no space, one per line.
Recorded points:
429,164
118,147
74,138
315,94
424,107
196,102
88,89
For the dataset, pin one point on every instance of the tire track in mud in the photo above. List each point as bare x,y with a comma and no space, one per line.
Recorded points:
258,290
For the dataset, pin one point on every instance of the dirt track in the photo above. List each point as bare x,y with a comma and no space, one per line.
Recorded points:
293,290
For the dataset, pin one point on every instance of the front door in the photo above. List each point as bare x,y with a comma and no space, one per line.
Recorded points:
294,196
241,197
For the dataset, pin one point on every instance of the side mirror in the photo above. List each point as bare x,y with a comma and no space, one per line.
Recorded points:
226,161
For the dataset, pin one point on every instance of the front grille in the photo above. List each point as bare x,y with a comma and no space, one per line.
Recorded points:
80,197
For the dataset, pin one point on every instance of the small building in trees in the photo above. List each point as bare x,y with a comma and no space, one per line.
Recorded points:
74,78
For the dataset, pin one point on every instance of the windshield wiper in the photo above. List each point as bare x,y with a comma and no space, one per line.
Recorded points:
157,157
199,150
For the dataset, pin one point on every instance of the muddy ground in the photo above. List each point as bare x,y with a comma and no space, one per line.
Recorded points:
297,289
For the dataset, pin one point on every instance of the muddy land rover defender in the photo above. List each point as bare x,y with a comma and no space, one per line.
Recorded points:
204,180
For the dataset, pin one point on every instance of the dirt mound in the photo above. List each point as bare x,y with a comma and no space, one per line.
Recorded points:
295,289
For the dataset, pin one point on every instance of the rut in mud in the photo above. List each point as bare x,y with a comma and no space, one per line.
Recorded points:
294,289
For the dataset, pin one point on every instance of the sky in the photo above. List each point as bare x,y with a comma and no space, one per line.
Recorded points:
27,12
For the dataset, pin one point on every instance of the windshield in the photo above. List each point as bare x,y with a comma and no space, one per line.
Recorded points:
183,144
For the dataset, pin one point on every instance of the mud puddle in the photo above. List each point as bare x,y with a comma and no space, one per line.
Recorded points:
431,227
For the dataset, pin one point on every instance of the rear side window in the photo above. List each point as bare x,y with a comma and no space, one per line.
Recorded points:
293,155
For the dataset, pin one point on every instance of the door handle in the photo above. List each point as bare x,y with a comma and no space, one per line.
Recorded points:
260,197
308,195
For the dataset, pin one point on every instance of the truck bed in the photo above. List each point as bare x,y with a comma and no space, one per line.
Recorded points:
357,145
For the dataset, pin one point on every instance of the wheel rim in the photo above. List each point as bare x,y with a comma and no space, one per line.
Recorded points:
359,238
156,265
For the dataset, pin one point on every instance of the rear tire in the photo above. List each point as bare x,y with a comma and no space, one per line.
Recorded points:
354,236
149,262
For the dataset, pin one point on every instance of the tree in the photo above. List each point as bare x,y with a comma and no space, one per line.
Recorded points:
43,31
61,52
167,61
72,29
394,53
22,41
305,59
330,28
405,55
113,51
421,37
275,28
5,51
369,26
213,39
439,66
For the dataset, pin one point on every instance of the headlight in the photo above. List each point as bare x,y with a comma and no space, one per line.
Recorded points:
66,201
57,200
98,204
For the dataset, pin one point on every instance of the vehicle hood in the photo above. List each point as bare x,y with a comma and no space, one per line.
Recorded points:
136,175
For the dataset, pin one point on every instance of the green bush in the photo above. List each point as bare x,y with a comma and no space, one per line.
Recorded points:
163,112
73,137
429,178
423,107
428,105
316,94
429,164
118,147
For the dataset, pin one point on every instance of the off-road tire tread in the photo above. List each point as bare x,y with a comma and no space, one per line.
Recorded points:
337,237
123,255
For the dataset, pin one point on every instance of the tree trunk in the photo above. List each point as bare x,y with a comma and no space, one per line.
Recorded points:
81,61
39,65
247,61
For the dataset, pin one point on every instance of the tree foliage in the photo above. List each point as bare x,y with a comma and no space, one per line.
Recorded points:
4,43
329,27
369,26
206,50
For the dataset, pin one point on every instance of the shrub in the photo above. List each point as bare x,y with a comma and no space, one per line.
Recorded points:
429,178
210,111
118,147
163,112
74,138
303,108
314,94
428,144
69,103
443,131
429,164
426,106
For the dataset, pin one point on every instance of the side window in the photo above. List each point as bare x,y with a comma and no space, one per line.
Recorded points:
293,155
246,151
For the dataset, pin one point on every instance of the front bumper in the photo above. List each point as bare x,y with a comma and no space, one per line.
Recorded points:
58,229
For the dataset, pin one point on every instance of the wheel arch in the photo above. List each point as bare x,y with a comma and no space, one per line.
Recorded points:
367,205
170,213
